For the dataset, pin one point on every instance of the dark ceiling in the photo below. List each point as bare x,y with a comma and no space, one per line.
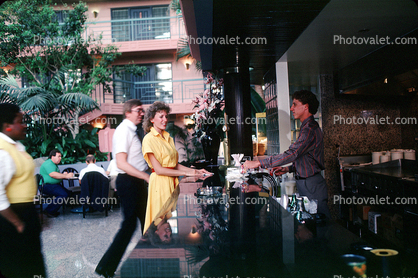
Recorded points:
298,32
278,23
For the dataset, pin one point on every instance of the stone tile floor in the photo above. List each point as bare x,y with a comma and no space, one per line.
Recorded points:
73,246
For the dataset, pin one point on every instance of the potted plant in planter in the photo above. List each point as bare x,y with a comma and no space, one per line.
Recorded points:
208,118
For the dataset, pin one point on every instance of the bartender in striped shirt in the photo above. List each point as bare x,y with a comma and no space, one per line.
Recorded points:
306,154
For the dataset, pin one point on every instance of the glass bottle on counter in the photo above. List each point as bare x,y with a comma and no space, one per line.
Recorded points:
301,214
292,205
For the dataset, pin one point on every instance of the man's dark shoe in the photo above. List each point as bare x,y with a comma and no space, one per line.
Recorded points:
101,271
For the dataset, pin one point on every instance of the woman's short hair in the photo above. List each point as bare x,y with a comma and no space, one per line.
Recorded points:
151,111
8,113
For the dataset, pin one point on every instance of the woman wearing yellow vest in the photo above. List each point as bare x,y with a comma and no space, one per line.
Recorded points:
20,229
161,155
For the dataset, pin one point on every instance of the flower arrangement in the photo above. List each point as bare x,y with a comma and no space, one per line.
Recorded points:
209,105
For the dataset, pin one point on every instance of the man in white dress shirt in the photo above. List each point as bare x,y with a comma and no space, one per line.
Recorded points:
131,184
91,167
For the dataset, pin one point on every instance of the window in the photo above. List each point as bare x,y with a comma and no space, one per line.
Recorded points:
43,79
135,24
155,85
60,16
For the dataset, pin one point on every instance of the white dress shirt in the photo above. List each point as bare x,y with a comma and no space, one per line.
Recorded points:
7,169
112,168
92,168
125,140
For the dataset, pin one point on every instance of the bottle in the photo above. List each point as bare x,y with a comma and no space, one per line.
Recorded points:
284,180
301,214
291,207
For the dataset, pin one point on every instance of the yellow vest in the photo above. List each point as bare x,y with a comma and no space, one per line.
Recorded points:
22,187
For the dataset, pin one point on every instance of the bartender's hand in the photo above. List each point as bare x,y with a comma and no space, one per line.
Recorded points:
279,170
252,164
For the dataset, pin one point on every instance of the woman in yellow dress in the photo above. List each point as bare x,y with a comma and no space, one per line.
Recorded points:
161,155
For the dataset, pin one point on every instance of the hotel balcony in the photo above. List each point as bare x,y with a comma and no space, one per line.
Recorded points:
139,34
177,93
151,42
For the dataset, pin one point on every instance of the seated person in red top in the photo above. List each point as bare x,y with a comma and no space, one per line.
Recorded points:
52,182
91,167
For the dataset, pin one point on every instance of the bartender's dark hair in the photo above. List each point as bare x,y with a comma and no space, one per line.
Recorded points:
8,113
151,111
307,97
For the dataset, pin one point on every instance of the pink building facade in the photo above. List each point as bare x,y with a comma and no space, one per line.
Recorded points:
146,33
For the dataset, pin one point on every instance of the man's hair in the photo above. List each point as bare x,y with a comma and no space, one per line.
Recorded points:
8,113
151,111
53,153
307,97
90,158
127,106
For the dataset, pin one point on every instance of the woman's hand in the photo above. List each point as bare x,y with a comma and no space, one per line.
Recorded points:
204,172
200,173
194,172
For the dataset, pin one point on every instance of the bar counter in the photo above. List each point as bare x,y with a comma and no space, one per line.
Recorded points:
237,234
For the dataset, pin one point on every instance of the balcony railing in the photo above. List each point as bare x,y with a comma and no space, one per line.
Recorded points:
150,28
169,91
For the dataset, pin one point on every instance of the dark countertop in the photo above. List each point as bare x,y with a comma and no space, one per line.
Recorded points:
250,235
400,169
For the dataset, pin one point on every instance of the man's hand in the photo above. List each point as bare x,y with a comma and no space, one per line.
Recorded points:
68,175
251,164
278,171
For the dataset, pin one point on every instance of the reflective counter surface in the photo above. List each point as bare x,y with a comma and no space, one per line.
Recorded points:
237,234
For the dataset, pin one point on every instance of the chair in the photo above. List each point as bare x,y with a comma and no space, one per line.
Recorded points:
94,189
70,170
40,196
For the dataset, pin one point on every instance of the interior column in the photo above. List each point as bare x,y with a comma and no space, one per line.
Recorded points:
238,108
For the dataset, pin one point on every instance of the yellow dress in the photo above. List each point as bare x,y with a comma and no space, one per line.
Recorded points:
163,190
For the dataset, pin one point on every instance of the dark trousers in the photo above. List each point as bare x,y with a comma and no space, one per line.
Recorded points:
133,193
59,192
21,254
315,187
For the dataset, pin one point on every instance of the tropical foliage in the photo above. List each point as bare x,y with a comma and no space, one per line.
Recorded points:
209,106
57,64
189,144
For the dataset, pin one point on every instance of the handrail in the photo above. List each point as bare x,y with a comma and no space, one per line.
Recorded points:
137,29
169,91
133,19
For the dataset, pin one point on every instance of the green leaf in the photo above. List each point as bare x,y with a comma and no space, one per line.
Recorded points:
90,143
44,146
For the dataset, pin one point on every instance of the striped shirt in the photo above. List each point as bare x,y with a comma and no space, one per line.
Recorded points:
307,153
